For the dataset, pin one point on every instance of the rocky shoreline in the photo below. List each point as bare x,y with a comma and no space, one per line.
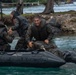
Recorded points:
66,20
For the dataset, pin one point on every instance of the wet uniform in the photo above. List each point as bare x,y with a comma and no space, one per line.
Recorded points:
20,25
5,38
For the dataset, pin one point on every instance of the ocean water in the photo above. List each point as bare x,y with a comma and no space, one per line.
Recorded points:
64,43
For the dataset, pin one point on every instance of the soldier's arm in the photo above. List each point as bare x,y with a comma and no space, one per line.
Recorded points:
16,25
28,34
50,36
7,37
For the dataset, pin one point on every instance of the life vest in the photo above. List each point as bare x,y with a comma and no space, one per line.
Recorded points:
23,25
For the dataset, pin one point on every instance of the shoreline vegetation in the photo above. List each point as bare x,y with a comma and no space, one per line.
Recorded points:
29,3
66,19
26,3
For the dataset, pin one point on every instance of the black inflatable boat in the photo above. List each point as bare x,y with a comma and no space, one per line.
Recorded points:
30,59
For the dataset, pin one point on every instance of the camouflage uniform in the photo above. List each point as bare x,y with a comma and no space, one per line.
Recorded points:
5,38
20,25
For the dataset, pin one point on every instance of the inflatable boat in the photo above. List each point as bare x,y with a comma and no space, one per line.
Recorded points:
70,56
30,59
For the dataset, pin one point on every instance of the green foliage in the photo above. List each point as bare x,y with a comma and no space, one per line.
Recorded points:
30,0
41,1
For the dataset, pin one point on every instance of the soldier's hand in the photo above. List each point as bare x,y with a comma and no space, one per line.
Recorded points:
10,32
46,41
30,44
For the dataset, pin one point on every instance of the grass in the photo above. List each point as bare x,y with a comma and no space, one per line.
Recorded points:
68,12
56,13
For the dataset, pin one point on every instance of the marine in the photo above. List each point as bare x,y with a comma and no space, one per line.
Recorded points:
40,31
6,37
20,25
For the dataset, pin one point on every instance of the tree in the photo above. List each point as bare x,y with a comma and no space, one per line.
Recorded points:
1,10
49,7
20,6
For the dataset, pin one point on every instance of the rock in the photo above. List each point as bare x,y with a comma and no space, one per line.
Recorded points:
55,26
69,24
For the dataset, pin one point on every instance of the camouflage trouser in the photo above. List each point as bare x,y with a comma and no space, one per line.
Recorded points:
57,52
51,47
21,44
54,49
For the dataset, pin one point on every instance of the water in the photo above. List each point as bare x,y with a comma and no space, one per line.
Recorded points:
36,71
39,9
66,42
